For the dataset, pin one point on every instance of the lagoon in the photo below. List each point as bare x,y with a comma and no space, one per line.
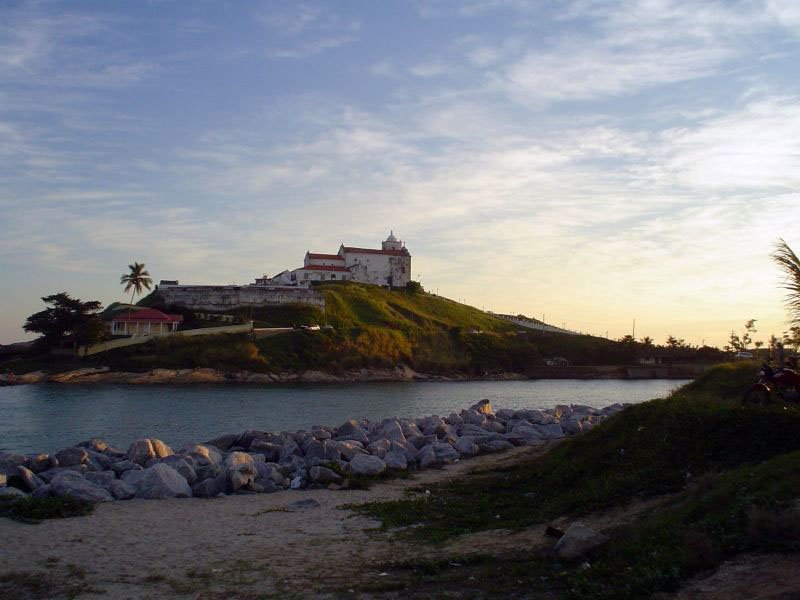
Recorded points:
49,417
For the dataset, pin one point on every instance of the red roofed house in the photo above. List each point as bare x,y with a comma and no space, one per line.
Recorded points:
144,322
389,265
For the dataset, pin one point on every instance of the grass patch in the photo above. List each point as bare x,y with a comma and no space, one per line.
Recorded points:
752,508
649,449
35,510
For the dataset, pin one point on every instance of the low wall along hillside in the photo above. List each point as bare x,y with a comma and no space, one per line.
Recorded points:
226,297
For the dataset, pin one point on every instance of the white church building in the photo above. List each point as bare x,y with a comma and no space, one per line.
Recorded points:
388,265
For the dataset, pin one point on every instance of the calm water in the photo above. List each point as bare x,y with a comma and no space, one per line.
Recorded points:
46,418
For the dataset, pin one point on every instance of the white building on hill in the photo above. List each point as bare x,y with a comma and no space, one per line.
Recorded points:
390,265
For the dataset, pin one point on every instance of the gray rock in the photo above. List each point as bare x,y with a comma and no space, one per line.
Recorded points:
455,420
103,479
483,407
445,453
182,466
473,417
495,427
3,479
357,434
146,449
410,428
9,461
94,444
121,466
466,446
422,440
393,432
121,490
269,471
496,446
30,482
42,462
48,475
321,434
572,426
504,414
224,442
304,504
314,449
426,457
100,462
350,449
578,540
550,432
72,483
44,491
203,454
289,449
379,447
12,492
69,457
270,450
207,488
298,483
162,481
396,460
133,477
209,472
322,474
365,464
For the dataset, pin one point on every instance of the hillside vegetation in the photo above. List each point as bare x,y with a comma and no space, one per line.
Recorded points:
727,475
363,326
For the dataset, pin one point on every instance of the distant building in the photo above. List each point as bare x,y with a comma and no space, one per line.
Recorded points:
144,322
388,265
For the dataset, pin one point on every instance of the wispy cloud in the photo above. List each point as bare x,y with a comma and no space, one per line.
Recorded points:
304,30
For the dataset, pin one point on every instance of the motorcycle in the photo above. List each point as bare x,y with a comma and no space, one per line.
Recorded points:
781,382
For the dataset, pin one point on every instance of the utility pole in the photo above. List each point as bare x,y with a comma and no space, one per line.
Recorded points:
633,334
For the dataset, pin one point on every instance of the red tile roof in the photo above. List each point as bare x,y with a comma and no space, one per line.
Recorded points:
148,315
351,249
324,268
316,256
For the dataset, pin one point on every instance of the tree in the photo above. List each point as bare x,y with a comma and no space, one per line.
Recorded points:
791,338
136,279
788,262
67,316
738,343
673,342
647,341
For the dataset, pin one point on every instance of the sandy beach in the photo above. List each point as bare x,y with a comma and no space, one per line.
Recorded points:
249,546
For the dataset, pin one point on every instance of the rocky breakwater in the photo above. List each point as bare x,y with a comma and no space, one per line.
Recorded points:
262,462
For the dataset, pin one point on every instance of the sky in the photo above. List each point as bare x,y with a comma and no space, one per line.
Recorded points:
590,163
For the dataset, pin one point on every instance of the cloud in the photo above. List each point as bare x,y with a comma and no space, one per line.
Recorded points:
305,30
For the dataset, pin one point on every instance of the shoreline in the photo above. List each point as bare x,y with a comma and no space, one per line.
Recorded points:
104,375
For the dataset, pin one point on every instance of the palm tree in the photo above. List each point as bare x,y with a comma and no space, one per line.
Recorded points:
788,262
137,279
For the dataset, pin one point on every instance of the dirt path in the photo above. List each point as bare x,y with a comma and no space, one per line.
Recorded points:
236,546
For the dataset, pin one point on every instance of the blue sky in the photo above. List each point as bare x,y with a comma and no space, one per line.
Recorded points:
592,162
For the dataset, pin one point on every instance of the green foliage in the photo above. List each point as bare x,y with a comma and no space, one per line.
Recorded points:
225,352
136,279
67,316
789,263
34,510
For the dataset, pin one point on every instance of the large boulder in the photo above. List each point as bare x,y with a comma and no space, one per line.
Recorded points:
203,454
426,457
270,450
42,462
466,446
240,470
182,466
366,464
348,450
146,449
72,483
445,453
27,480
393,432
396,460
320,474
578,540
356,434
121,490
208,488
379,447
162,481
12,492
121,466
483,407
69,457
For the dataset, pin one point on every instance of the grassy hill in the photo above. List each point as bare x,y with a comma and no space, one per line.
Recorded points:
363,326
